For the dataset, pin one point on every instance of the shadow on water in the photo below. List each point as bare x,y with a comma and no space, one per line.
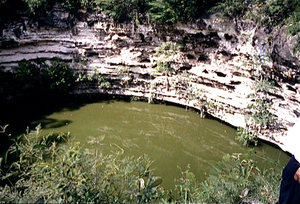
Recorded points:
19,115
49,123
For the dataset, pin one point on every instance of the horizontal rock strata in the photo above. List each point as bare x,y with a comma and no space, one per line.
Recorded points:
214,68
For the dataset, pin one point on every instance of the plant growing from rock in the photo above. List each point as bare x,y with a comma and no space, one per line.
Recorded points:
33,5
185,90
258,115
152,91
261,117
245,137
165,54
122,10
92,79
162,12
124,72
37,77
231,9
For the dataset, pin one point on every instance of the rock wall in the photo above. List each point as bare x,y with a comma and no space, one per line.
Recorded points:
214,69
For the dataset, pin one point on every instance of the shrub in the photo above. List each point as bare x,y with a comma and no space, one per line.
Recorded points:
55,169
260,116
61,77
275,12
93,79
234,180
30,76
165,54
232,9
246,137
162,12
263,85
75,4
187,187
34,5
122,10
37,77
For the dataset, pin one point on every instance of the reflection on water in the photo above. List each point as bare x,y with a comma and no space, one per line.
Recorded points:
171,136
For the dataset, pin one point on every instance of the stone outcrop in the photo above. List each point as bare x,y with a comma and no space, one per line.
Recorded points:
213,71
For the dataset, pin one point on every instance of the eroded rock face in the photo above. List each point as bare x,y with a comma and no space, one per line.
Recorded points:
214,69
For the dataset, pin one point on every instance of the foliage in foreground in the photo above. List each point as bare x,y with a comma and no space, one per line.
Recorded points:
54,168
234,180
238,180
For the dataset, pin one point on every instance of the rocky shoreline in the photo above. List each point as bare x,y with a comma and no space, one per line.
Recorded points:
214,70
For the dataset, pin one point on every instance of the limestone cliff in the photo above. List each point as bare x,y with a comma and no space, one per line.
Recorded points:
214,70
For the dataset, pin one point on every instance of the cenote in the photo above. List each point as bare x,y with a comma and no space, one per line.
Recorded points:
170,135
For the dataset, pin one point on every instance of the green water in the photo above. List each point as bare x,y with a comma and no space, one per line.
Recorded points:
171,136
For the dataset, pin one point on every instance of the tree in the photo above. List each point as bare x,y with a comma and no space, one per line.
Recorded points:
38,78
60,76
162,12
122,10
34,5
232,9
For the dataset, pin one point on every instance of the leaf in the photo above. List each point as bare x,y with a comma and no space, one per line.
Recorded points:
39,146
3,128
5,156
158,181
8,175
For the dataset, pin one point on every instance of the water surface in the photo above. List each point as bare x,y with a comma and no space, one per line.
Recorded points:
170,135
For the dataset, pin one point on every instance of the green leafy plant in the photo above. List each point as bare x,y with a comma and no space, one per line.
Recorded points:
123,70
76,4
246,137
162,12
61,77
275,12
34,5
187,187
231,9
54,168
165,54
261,117
258,115
263,85
92,79
122,10
238,180
37,77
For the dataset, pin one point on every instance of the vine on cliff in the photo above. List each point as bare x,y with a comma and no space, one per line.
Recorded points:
258,115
